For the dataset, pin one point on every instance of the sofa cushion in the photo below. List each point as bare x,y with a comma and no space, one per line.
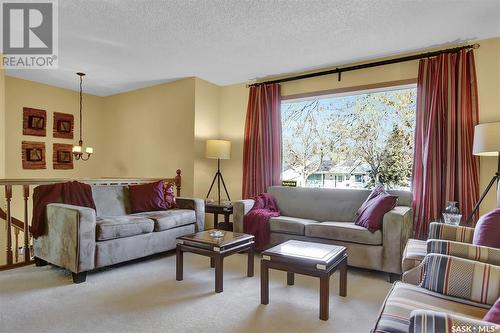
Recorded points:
111,200
487,231
147,197
122,226
404,298
372,214
343,231
289,225
464,278
168,219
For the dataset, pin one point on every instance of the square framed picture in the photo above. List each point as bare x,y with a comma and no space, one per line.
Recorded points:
63,125
34,121
62,156
33,155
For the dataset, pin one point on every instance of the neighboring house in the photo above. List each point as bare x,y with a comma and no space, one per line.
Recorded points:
347,174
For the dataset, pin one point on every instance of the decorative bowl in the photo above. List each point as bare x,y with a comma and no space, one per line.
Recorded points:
216,234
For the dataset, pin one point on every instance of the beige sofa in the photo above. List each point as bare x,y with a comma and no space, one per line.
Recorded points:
327,215
81,239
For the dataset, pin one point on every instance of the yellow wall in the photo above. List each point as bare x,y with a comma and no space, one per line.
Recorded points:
234,102
149,132
206,126
22,93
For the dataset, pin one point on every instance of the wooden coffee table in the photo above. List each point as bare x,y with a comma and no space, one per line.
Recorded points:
217,249
307,258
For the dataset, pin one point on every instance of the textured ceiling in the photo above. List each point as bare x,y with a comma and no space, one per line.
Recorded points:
124,44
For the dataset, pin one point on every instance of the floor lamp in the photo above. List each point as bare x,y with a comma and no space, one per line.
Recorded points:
486,143
220,150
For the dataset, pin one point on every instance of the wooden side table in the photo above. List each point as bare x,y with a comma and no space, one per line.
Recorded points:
217,249
313,259
216,209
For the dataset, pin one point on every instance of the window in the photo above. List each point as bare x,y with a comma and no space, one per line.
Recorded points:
365,135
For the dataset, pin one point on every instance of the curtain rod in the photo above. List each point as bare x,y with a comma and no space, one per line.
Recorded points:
339,71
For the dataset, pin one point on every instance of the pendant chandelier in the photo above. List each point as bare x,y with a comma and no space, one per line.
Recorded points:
78,150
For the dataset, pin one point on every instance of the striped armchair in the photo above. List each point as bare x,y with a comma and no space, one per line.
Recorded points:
454,291
479,253
444,239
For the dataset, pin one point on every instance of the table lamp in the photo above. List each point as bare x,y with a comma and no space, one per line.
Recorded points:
220,150
486,143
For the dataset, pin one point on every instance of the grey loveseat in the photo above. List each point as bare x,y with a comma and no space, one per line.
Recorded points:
81,239
327,215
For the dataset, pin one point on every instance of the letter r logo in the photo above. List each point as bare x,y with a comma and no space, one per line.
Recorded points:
27,27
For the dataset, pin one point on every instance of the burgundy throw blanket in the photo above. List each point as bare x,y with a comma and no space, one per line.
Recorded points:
256,222
71,193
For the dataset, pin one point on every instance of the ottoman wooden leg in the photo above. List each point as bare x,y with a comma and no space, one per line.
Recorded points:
290,278
250,262
264,282
324,297
179,261
219,272
343,279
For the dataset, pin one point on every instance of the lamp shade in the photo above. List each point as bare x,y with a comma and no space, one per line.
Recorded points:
220,149
487,139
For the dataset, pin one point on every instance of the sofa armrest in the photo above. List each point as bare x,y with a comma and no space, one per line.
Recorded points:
240,208
397,228
198,205
450,232
422,321
489,255
69,240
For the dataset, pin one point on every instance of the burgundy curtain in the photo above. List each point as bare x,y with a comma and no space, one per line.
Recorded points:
444,167
262,142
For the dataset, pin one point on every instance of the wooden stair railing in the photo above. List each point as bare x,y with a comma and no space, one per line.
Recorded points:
16,225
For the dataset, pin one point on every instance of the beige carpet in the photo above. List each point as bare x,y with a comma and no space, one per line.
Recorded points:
145,297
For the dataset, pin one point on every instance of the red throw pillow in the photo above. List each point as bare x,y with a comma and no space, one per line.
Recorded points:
487,231
375,192
373,213
147,197
170,195
493,315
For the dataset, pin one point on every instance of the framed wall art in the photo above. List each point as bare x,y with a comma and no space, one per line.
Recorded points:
62,156
63,125
34,121
33,155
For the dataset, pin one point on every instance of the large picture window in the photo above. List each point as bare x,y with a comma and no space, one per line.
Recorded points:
350,140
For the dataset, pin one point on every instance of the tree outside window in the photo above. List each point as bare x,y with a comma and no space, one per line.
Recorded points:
350,141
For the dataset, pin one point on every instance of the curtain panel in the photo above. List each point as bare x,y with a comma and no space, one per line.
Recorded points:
262,141
447,110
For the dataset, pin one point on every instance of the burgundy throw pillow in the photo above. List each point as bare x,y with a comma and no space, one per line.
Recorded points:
147,197
373,213
170,195
493,315
375,192
487,230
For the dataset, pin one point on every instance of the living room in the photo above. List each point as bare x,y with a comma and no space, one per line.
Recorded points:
174,92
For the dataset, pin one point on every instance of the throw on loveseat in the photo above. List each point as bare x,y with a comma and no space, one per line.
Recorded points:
81,239
327,216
